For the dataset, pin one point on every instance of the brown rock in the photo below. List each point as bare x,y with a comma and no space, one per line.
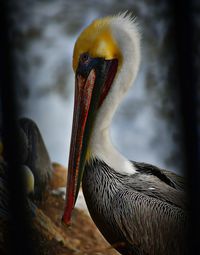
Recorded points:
59,176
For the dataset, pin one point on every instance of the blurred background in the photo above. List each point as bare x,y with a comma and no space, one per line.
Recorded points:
158,121
146,126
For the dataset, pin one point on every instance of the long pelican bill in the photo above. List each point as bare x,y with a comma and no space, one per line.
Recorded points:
93,80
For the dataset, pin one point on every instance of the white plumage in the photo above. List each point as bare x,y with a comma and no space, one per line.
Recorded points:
126,34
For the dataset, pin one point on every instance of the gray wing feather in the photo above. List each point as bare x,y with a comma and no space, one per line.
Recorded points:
160,184
170,178
179,181
149,224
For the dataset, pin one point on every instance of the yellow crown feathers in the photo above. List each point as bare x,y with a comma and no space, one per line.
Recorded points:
97,40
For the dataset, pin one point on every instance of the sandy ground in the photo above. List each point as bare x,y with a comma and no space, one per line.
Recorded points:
50,236
83,235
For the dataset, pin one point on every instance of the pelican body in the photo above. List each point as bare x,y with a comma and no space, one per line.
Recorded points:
139,208
34,166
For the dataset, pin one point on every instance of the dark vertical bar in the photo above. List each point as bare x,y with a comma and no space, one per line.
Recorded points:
19,228
185,45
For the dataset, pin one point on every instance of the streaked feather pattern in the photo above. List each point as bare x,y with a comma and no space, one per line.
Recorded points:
142,211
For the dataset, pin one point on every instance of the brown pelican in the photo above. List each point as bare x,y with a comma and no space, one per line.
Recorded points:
34,162
34,155
138,207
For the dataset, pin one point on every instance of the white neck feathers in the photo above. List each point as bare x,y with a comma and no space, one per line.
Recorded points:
125,32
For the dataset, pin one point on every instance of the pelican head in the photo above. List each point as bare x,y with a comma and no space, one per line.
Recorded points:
105,61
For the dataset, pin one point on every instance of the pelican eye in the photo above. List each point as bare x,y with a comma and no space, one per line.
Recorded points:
84,57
